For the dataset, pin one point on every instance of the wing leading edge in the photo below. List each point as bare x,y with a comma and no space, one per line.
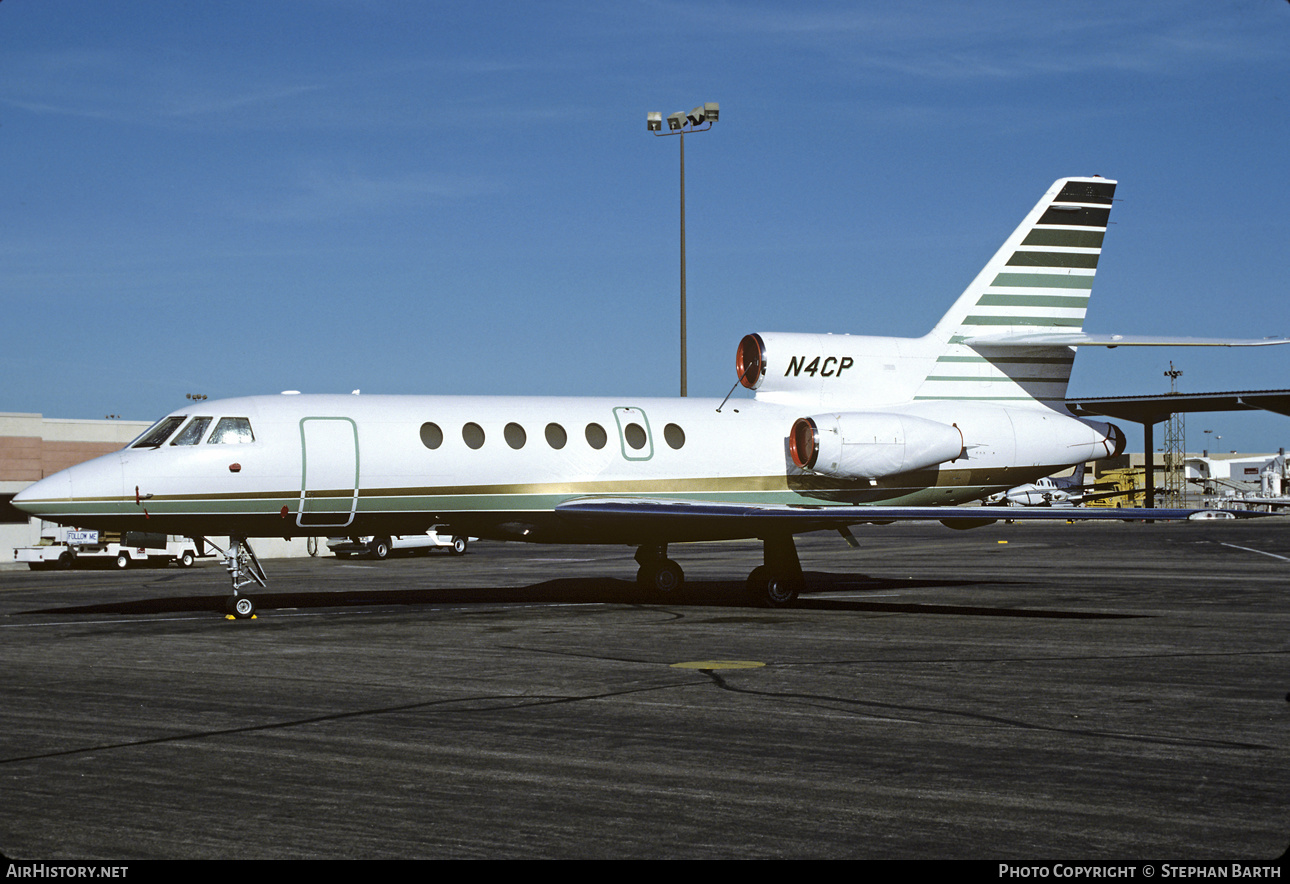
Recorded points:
754,520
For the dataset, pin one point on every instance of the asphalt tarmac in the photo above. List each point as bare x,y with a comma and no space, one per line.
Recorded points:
1017,692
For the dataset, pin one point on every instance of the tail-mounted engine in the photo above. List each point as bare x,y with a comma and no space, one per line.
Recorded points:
803,361
871,445
787,366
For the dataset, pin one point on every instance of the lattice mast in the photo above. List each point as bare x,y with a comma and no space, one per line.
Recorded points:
1175,447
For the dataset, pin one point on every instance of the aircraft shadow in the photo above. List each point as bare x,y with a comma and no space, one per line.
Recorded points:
593,590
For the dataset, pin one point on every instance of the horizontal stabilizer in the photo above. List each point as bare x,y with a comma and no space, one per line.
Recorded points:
1082,339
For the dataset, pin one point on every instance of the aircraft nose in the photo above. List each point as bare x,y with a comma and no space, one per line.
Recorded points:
57,487
66,492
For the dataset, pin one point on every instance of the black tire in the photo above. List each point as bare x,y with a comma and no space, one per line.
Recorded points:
65,561
770,590
459,546
311,546
667,579
380,548
241,607
186,559
122,561
782,592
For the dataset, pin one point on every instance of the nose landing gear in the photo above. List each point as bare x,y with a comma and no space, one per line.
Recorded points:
244,569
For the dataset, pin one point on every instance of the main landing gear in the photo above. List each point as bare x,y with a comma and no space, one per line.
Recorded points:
777,582
774,584
658,572
244,569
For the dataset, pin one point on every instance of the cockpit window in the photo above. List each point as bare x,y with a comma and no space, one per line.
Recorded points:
231,430
192,434
160,431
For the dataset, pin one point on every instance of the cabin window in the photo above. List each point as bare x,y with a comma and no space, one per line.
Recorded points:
635,436
556,437
596,436
231,431
674,435
192,434
431,435
515,435
473,435
160,431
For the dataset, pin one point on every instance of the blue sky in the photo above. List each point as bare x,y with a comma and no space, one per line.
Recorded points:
462,197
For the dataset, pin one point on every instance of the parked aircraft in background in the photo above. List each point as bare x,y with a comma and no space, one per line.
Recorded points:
1066,491
843,430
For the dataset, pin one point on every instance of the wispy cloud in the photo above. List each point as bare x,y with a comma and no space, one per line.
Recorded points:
323,194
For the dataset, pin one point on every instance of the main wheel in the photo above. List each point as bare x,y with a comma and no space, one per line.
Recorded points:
664,577
772,590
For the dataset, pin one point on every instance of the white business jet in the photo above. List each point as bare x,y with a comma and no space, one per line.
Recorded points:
1066,491
843,430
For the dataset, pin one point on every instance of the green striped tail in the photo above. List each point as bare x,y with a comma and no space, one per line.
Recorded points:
1040,280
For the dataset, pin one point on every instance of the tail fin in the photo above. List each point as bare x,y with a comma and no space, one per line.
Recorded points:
1040,280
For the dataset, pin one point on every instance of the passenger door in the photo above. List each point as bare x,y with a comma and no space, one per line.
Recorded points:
329,472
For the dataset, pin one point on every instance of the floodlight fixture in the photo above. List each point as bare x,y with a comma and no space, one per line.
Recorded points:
696,116
710,111
654,121
676,121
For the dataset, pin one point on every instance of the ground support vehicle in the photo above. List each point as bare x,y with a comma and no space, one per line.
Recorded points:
383,547
65,548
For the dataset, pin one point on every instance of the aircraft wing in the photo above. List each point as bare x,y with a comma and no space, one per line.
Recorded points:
1081,339
753,518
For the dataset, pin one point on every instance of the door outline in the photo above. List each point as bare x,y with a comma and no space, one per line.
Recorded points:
336,472
625,415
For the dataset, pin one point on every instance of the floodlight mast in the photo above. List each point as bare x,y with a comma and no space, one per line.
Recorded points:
680,123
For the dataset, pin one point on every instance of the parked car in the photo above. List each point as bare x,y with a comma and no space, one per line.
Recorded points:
382,547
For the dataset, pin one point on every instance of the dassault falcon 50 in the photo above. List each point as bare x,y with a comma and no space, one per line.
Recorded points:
842,430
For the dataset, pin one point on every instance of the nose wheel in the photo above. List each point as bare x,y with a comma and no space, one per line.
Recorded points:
240,608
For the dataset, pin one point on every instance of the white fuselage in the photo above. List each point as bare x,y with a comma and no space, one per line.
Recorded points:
497,466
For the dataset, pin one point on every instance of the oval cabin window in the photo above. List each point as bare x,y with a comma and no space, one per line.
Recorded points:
473,435
515,436
635,436
431,435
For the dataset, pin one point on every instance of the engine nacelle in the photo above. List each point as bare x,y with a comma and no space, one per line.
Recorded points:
804,360
871,445
785,367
